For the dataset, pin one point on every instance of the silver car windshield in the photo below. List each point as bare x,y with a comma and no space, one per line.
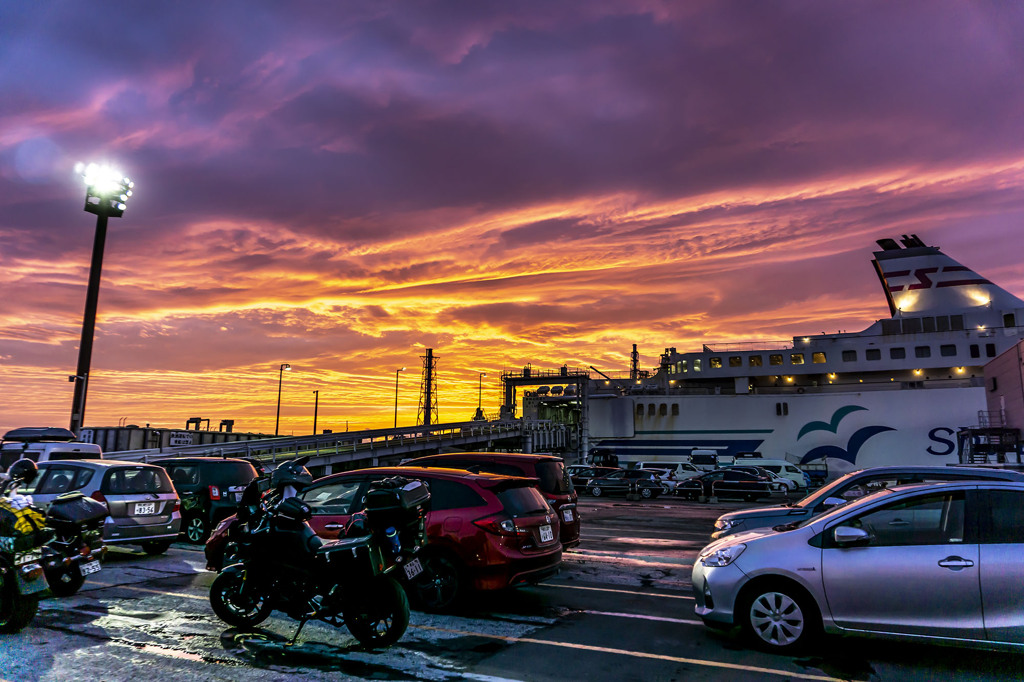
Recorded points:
821,494
838,509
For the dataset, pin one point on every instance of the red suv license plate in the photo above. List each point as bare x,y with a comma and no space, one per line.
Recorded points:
567,515
546,535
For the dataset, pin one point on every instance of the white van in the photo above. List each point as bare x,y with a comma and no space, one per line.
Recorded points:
778,466
709,460
12,451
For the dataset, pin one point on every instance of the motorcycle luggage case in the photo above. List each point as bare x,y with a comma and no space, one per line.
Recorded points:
360,556
73,511
408,498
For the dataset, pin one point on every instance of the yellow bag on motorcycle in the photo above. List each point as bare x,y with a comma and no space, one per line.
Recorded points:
21,529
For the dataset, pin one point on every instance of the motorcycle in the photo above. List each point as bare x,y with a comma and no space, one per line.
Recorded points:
282,564
23,533
77,548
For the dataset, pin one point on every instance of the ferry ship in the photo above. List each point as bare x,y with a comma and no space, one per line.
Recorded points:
894,393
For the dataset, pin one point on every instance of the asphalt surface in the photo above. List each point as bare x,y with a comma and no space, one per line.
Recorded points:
619,610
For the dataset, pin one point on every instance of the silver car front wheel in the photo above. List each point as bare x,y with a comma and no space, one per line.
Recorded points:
779,620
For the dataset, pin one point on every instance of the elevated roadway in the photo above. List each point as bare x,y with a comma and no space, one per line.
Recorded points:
375,447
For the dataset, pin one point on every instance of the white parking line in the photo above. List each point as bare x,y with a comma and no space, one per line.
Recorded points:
636,654
639,616
660,595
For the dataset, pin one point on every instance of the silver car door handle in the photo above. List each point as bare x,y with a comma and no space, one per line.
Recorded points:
334,526
956,563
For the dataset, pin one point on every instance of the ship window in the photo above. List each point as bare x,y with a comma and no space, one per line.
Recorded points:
1009,320
956,323
942,324
897,353
911,325
679,368
775,359
755,360
675,409
990,350
818,358
890,326
735,361
696,364
849,356
873,354
975,351
650,410
663,410
947,350
639,410
929,323
922,351
796,358
684,366
715,363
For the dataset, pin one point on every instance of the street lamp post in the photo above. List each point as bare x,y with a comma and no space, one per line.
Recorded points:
106,192
280,377
396,395
316,405
480,396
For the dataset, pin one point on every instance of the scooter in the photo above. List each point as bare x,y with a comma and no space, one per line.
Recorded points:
283,565
22,535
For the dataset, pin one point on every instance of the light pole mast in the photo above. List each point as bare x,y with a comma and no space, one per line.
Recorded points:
106,192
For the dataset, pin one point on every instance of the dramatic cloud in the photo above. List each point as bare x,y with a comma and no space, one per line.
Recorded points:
341,186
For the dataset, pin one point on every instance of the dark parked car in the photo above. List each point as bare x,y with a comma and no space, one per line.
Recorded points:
725,483
484,531
640,482
581,473
209,489
852,486
554,479
142,503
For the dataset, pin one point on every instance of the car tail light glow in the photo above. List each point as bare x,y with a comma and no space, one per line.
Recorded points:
177,506
500,524
100,497
214,492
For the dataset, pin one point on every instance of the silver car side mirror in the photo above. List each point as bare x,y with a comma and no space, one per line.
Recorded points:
848,535
833,502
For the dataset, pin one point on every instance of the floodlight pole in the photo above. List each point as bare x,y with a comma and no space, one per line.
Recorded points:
92,296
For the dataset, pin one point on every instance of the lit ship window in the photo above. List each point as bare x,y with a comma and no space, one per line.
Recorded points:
775,359
735,361
796,358
818,358
715,363
755,360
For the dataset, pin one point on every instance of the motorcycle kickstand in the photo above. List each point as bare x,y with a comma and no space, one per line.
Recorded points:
302,623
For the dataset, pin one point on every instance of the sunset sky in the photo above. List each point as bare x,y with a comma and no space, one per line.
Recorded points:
341,185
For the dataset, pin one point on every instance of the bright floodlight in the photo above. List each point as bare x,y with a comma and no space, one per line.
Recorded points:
106,191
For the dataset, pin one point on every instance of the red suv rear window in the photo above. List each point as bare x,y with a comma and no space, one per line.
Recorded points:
523,501
554,479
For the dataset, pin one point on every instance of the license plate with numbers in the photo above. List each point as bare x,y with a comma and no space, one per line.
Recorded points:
413,568
567,515
145,508
546,534
89,567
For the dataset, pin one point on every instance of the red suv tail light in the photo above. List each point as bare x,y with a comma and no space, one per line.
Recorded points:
214,492
100,497
177,506
500,524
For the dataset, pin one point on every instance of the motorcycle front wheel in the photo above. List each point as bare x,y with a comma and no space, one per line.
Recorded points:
236,605
380,614
16,610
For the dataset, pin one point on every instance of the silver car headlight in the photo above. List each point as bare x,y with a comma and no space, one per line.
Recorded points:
722,557
726,524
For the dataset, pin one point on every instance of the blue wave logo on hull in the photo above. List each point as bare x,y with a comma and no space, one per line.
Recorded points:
853,446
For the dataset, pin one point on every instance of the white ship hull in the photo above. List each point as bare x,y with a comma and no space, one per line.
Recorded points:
845,430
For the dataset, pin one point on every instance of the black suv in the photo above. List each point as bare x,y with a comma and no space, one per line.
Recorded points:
209,489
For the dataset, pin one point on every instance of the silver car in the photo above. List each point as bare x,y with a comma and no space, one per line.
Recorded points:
143,504
938,561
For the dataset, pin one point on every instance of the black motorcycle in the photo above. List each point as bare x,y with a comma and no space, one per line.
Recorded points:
282,564
77,547
23,532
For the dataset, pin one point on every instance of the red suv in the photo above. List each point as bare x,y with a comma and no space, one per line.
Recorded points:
554,480
484,531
